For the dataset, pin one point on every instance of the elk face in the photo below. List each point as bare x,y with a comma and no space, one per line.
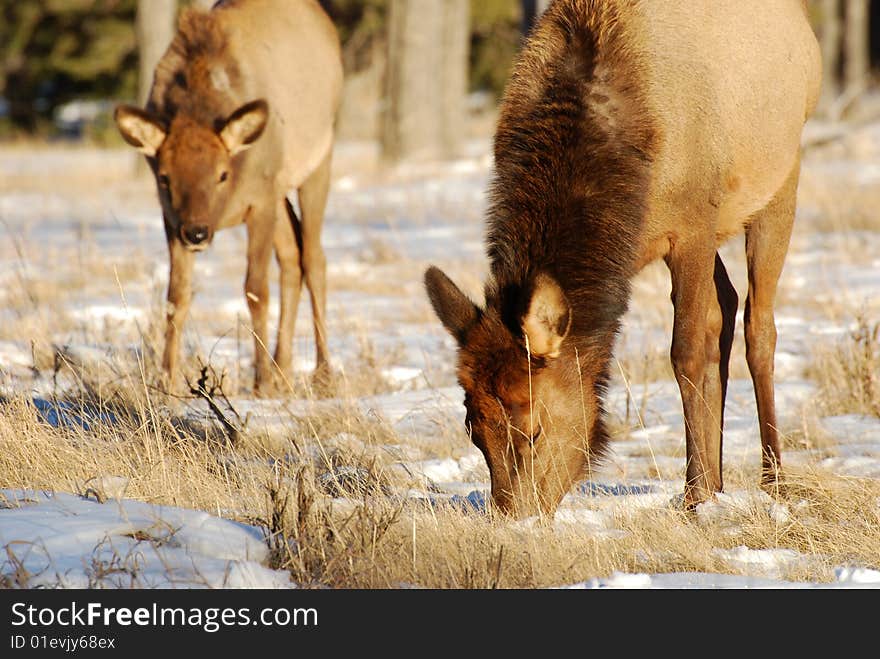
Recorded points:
194,164
530,409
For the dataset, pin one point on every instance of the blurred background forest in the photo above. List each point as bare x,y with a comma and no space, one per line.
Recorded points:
417,70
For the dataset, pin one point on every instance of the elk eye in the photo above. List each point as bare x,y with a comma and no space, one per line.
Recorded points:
163,180
537,434
224,176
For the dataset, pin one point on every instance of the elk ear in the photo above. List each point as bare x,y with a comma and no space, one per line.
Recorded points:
548,319
244,126
139,128
454,309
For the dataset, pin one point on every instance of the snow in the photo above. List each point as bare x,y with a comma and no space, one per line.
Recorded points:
75,542
682,580
404,219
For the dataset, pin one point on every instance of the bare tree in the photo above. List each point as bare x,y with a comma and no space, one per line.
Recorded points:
154,27
426,79
830,34
857,54
455,66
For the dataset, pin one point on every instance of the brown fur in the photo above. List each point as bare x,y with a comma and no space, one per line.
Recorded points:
229,132
594,178
182,82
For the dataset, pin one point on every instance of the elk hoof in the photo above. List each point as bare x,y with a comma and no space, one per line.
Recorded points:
691,498
263,390
677,502
324,382
171,385
773,483
271,388
273,383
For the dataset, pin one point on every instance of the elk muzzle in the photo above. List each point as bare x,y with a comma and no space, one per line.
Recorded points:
195,236
535,480
524,498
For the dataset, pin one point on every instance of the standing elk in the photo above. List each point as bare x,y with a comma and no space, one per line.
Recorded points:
240,114
630,131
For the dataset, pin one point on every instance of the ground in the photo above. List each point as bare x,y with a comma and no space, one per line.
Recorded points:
109,481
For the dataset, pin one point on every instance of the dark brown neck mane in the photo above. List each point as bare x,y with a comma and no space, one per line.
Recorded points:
572,159
186,78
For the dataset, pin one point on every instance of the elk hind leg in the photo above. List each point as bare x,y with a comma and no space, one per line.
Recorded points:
287,254
313,201
720,325
767,238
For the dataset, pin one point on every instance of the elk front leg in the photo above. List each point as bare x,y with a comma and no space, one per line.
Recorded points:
287,253
260,233
178,303
691,269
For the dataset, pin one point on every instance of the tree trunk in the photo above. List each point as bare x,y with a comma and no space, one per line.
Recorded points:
531,12
857,55
154,29
426,79
830,42
454,84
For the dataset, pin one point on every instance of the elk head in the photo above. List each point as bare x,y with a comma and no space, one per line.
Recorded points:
194,164
531,398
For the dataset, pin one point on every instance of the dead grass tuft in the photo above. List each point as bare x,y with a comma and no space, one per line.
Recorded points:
848,371
335,511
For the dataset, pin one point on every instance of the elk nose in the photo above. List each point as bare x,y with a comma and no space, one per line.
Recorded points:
196,235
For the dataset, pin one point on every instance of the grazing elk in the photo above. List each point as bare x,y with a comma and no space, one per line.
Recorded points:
240,114
630,131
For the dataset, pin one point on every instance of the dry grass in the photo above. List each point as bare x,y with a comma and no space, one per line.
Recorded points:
848,371
808,434
331,501
331,486
840,202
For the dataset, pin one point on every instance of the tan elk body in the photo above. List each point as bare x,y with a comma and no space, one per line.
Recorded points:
241,113
630,131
